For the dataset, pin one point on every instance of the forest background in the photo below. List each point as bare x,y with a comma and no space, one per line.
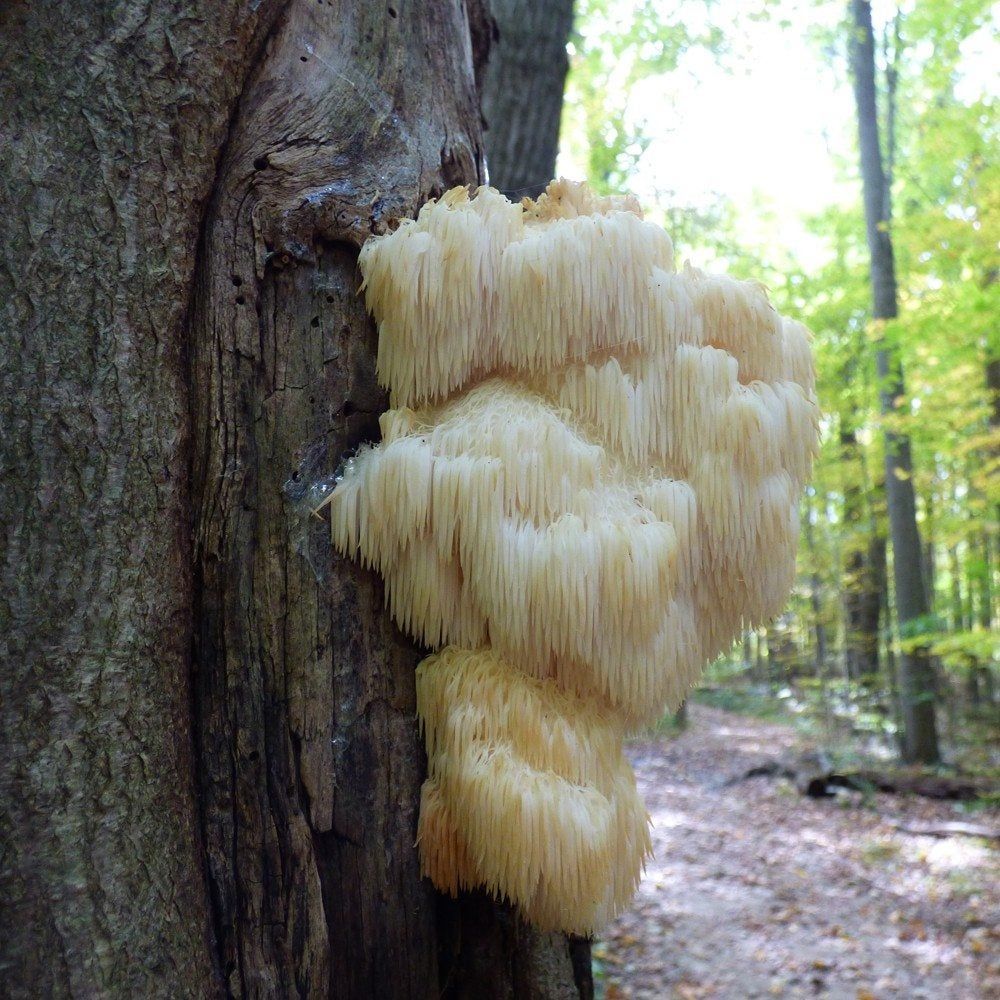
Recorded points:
737,128
211,765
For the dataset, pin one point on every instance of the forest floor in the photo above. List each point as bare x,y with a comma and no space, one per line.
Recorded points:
757,891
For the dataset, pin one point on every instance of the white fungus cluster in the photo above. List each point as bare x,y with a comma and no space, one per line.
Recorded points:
586,488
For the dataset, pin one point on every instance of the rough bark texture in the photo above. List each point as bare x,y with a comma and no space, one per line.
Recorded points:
487,953
523,93
111,116
292,872
916,674
310,758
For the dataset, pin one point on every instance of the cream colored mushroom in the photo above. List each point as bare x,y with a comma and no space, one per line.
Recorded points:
586,488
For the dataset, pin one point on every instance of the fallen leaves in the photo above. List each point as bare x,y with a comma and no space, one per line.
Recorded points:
811,899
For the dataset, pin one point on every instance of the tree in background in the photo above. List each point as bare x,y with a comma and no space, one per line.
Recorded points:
211,765
945,229
523,93
916,672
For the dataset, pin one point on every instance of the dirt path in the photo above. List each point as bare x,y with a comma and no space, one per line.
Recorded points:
755,891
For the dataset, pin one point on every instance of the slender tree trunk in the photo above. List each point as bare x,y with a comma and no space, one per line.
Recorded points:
982,672
183,340
763,663
959,620
862,592
993,397
816,598
991,529
523,93
916,670
928,564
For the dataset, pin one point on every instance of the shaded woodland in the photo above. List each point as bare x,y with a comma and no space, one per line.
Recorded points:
891,632
211,762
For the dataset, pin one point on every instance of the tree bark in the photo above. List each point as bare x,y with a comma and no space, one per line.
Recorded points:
111,118
916,675
523,93
183,341
310,759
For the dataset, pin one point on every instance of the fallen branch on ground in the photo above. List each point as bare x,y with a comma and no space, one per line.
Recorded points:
814,775
945,830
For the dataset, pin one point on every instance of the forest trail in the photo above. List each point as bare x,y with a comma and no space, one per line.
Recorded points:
756,891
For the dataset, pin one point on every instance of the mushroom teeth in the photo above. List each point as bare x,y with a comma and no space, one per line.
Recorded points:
587,486
528,793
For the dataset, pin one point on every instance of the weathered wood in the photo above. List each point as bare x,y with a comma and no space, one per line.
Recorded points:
111,116
929,786
124,228
309,753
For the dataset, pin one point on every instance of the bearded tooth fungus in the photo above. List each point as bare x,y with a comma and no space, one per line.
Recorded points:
587,486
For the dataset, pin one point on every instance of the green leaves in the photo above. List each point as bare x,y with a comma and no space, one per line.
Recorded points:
617,44
945,228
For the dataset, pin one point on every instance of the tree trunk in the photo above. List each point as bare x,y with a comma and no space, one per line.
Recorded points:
991,532
959,619
916,677
992,451
816,596
862,591
523,93
111,118
183,339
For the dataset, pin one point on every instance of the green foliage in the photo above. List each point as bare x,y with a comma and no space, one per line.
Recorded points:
959,650
615,45
741,700
943,151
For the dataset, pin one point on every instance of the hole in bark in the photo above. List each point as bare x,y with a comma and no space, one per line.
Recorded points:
261,163
240,300
348,409
237,281
303,59
314,321
392,12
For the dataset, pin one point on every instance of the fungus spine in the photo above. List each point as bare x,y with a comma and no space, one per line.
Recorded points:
587,486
